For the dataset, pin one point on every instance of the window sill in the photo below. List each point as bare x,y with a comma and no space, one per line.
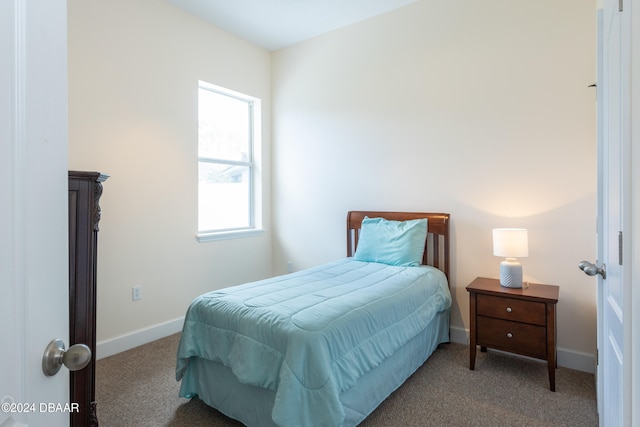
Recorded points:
224,235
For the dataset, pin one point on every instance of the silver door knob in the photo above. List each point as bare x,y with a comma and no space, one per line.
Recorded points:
77,357
592,269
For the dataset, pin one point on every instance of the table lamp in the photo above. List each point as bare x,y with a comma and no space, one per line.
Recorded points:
510,243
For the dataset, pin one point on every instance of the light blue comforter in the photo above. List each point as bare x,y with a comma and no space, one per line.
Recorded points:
309,336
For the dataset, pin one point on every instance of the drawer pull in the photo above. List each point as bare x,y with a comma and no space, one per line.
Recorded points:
509,335
508,309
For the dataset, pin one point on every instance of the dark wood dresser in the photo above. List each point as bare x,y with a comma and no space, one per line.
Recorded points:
85,189
521,321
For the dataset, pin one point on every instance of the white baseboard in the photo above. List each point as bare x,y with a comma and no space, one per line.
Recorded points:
459,335
137,338
571,359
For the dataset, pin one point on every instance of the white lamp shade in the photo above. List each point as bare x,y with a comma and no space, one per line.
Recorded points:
510,242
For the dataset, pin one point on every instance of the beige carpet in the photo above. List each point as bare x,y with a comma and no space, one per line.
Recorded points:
138,388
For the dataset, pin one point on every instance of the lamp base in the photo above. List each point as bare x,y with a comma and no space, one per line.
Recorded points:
511,273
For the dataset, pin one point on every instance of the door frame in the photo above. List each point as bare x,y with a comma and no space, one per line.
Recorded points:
633,240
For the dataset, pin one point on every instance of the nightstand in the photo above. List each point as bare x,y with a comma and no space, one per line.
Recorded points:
521,321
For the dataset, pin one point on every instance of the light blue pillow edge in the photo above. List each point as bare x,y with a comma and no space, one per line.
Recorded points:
392,251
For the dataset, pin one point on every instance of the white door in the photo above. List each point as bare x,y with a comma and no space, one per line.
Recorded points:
614,288
33,209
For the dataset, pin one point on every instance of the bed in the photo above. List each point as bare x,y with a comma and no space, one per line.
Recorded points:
326,345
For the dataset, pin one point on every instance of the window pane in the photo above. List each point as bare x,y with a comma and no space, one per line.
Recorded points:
224,196
223,126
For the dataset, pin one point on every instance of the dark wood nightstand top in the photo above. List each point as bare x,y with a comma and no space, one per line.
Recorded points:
535,291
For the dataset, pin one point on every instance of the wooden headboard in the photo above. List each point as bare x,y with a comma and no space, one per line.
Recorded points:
436,250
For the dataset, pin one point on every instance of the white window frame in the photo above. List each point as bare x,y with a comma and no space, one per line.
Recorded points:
253,163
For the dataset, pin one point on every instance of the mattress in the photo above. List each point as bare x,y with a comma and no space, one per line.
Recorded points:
309,337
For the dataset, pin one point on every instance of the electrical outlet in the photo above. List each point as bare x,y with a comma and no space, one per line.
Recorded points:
136,293
289,267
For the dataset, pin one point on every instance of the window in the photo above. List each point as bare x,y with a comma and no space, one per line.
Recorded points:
228,184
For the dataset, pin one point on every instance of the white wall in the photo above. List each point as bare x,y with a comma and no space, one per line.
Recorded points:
134,68
479,109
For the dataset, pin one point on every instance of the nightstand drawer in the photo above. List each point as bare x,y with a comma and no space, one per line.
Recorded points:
512,309
521,338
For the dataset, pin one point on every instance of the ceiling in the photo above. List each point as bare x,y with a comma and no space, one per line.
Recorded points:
274,24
